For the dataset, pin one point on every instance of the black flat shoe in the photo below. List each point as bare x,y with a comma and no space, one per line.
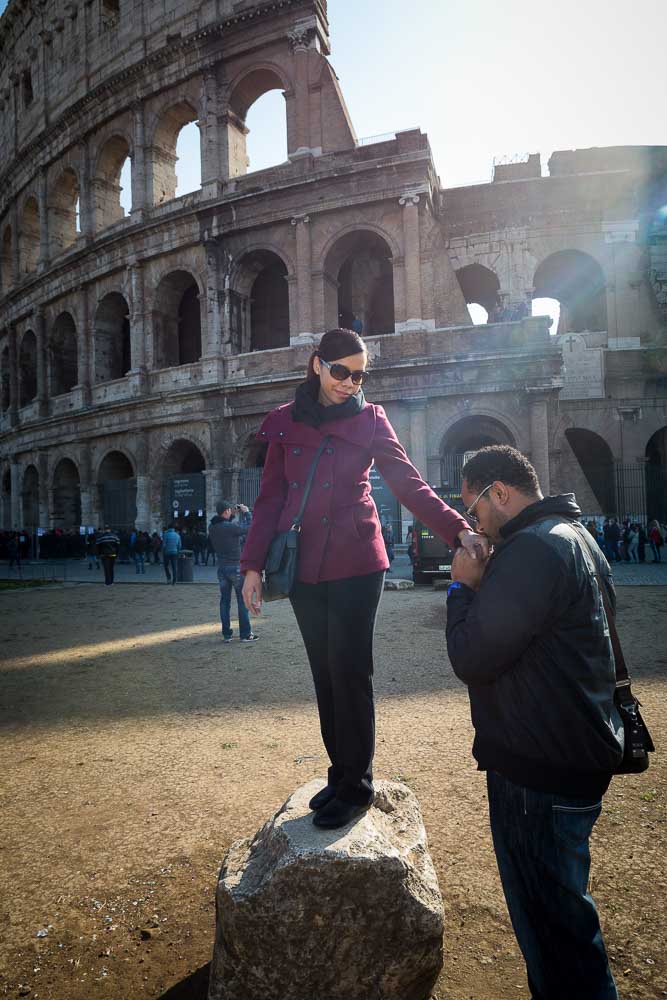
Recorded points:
325,795
338,813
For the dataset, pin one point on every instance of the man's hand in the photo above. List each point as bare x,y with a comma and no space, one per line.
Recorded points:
243,508
477,546
252,591
468,568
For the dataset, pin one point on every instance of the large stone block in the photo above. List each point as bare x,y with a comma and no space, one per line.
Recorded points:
349,914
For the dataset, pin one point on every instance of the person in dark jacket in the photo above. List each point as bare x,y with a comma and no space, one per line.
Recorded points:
226,536
108,544
528,634
342,555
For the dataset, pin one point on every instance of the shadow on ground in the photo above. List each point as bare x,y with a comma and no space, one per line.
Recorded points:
193,987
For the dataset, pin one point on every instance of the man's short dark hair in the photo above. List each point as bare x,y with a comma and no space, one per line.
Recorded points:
500,462
223,505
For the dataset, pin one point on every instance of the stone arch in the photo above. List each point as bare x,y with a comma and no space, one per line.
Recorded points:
6,499
469,433
595,462
5,379
574,279
63,355
30,498
656,475
181,473
170,121
244,91
359,280
27,368
117,490
106,185
29,235
66,489
480,286
177,324
63,205
112,356
260,313
6,259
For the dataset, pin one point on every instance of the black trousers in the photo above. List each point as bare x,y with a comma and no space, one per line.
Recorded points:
108,563
337,620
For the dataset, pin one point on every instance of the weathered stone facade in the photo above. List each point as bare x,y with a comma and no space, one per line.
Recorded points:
136,349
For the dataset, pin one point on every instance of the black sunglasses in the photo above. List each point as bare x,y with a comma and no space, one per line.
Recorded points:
342,372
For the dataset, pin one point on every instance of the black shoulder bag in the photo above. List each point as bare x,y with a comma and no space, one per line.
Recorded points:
283,556
638,742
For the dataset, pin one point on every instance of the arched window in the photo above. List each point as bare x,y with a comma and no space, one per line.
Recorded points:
260,302
480,287
576,281
30,498
111,338
5,380
177,320
63,355
63,211
27,368
269,123
29,236
469,434
656,476
113,161
176,153
6,501
118,491
66,495
359,290
184,486
6,261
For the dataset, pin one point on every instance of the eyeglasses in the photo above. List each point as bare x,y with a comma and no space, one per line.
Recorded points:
469,512
342,372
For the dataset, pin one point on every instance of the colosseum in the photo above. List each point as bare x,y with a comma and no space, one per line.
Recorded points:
139,351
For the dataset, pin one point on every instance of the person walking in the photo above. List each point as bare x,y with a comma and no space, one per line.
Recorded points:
156,547
631,539
656,540
91,547
14,551
342,555
388,536
108,544
139,549
528,634
226,536
171,546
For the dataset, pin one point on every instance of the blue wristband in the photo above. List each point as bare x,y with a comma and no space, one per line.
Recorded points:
454,586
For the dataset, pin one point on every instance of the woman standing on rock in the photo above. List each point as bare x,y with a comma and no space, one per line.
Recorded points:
342,555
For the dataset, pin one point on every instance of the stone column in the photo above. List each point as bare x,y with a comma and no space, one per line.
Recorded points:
13,377
86,210
139,199
137,318
213,479
539,438
43,485
43,220
16,250
42,381
16,492
299,39
84,354
418,453
304,293
411,252
86,486
144,484
214,301
211,171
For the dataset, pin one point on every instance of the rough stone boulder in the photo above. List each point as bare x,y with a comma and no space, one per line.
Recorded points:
349,914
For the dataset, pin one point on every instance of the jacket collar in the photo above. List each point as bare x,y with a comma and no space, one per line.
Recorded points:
564,506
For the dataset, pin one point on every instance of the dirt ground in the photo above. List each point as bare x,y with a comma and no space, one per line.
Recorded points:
135,748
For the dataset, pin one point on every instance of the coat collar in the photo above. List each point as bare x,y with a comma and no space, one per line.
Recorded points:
358,430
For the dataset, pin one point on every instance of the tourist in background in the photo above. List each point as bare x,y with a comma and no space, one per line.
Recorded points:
139,549
227,535
108,545
655,539
171,547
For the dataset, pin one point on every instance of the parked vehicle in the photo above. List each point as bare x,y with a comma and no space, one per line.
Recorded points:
431,556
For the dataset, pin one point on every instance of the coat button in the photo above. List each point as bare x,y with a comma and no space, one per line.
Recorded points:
329,451
325,520
296,451
281,434
325,486
294,485
263,434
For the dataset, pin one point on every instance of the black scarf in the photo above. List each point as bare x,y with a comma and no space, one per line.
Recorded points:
309,410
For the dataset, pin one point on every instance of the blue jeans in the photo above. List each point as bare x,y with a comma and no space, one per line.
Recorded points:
171,567
229,578
139,562
541,845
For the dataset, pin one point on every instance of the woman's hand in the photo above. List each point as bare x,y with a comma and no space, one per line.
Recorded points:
252,591
477,546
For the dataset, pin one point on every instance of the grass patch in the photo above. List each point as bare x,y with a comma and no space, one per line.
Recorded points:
22,584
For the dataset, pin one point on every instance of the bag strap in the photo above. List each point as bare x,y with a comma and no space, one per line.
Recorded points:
622,676
296,523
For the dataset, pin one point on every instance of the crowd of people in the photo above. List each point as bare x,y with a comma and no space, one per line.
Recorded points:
510,312
629,541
